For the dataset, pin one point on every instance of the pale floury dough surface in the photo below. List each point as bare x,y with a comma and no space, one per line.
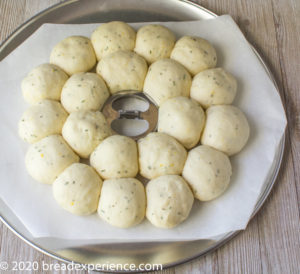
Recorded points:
85,130
116,157
226,129
160,154
166,79
169,201
74,54
77,189
154,42
43,82
208,172
214,87
84,91
123,70
48,158
111,37
122,202
195,53
183,119
42,119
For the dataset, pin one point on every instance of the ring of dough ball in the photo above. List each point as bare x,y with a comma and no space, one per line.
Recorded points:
166,79
154,42
226,129
195,54
43,82
123,70
85,130
84,91
169,201
213,87
208,172
122,202
74,54
48,158
43,119
77,189
111,37
116,157
160,154
183,119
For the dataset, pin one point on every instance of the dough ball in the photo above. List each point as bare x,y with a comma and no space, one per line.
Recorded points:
213,87
116,157
226,129
154,42
195,53
123,70
74,54
48,158
183,119
43,119
43,82
84,91
169,201
167,79
111,37
77,189
122,202
84,130
208,172
160,154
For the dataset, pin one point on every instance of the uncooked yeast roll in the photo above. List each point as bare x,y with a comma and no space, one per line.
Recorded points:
42,119
207,171
182,118
74,54
116,157
213,87
195,53
122,202
160,154
169,201
166,79
48,158
84,130
43,82
84,91
154,42
111,37
123,70
77,189
226,129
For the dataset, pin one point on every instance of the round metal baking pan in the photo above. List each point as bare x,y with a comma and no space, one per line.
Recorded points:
93,11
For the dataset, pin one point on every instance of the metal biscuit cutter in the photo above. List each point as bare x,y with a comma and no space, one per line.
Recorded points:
114,111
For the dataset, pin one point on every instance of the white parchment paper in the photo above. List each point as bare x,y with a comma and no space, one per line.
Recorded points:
33,203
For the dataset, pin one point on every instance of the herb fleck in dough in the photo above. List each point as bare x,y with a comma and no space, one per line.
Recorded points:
154,42
43,82
122,202
42,119
77,189
214,87
84,91
169,201
47,158
208,172
74,54
116,157
195,54
183,119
